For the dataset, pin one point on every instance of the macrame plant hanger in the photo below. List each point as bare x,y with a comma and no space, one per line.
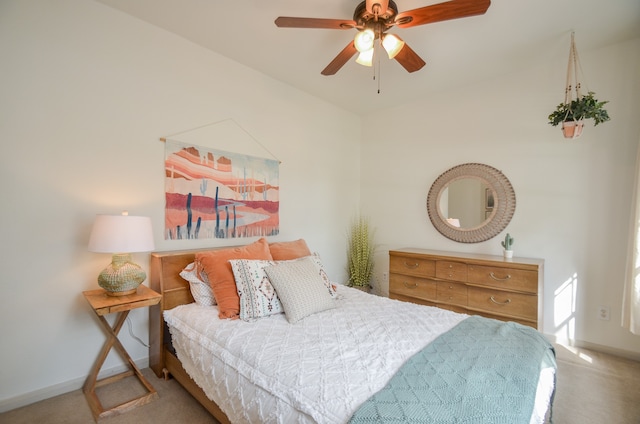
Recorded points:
573,84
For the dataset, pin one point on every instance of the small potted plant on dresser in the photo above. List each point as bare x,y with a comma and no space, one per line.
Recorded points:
507,244
360,254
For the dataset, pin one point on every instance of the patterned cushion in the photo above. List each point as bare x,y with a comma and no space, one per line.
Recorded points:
325,278
199,285
257,296
300,288
216,266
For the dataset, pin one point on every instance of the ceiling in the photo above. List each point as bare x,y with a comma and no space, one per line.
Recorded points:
512,35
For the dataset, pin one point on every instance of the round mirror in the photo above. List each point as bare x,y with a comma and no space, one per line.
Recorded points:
471,203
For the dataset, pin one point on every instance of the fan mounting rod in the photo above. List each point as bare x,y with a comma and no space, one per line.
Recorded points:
376,13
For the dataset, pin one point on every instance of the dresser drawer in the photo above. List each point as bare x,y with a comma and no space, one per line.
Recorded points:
452,293
412,266
449,270
504,278
503,303
412,286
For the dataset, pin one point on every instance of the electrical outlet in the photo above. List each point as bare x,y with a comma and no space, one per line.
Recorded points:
604,313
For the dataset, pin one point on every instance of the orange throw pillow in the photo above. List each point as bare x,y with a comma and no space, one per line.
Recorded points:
287,250
216,264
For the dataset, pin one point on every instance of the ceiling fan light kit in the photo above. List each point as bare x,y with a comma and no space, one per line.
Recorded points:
365,58
392,44
364,40
373,18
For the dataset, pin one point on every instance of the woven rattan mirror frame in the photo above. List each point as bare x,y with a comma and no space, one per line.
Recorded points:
503,209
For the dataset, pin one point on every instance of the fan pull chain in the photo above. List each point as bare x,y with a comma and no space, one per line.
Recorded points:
377,60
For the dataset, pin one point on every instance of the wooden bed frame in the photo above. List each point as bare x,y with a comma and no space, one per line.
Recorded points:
165,279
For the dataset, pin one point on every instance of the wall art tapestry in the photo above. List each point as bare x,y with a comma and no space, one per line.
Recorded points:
217,194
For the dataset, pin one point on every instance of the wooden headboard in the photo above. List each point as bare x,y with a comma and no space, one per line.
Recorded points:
165,279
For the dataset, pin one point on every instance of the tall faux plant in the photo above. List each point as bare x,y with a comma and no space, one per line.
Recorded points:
360,252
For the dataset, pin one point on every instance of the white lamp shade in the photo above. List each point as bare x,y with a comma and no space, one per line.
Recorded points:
364,40
392,44
121,234
365,58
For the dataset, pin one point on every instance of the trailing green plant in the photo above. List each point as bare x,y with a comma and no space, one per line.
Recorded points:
584,107
508,242
360,252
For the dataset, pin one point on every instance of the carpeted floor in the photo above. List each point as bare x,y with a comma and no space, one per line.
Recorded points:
593,388
596,388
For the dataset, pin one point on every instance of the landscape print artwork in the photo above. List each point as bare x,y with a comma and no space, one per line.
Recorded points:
217,194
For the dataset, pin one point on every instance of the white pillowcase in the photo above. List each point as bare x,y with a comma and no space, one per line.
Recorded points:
257,296
200,288
301,289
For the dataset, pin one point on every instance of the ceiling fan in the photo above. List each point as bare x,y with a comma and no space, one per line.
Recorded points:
373,18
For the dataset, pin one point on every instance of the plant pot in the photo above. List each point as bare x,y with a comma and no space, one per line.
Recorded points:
572,129
508,254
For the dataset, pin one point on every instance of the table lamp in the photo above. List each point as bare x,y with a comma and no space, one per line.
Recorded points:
121,235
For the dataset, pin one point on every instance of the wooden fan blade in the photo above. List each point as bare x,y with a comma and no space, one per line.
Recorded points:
409,59
339,61
288,22
453,9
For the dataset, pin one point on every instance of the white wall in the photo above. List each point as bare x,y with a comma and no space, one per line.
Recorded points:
85,94
573,196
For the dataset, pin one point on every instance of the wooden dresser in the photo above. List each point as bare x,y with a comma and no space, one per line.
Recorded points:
505,289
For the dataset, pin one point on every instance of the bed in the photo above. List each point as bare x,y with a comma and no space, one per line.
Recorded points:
348,363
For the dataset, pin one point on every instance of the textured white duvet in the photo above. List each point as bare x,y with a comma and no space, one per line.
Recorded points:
320,369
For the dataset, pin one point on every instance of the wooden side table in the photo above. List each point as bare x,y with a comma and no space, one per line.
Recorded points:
103,304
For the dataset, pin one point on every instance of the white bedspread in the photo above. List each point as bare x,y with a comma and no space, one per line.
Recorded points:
319,370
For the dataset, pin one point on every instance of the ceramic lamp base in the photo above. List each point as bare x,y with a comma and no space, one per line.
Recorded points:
122,277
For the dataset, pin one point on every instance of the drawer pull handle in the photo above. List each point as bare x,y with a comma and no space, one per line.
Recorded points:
492,275
410,286
412,266
500,303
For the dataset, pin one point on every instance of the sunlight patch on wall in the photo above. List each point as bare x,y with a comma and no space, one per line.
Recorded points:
564,308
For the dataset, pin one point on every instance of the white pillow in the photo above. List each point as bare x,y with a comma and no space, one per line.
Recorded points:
300,288
257,296
200,287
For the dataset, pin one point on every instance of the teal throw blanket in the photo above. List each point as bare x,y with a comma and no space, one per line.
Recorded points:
481,371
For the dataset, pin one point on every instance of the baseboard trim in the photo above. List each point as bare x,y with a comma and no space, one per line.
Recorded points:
62,388
627,354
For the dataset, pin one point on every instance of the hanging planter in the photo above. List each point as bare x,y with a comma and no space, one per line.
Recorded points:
572,129
576,106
